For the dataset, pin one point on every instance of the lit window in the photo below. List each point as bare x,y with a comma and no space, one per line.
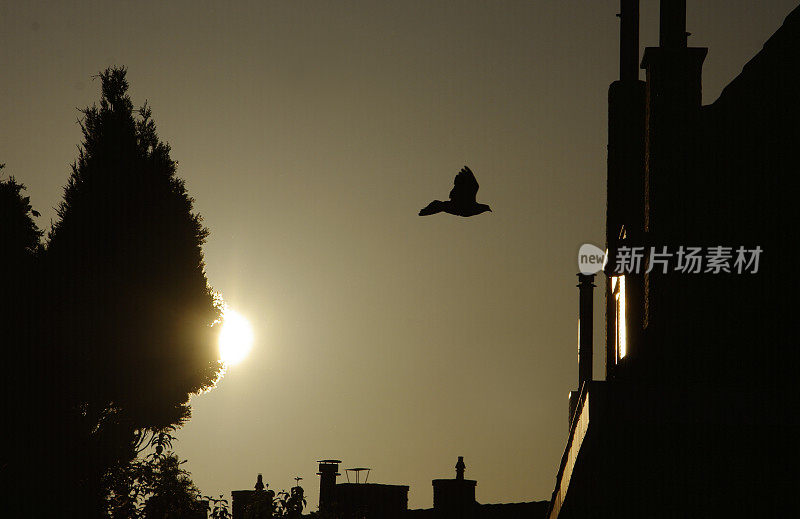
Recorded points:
620,342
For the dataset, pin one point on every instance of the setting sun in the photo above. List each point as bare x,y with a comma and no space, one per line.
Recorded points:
235,338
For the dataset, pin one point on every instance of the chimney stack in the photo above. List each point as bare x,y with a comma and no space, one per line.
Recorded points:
328,470
672,26
454,497
629,40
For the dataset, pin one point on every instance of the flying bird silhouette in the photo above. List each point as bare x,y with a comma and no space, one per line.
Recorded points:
462,198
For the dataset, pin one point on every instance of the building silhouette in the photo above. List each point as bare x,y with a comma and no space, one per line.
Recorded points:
358,500
696,415
455,497
452,499
252,502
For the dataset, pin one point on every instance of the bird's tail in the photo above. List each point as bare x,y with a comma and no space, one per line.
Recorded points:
432,208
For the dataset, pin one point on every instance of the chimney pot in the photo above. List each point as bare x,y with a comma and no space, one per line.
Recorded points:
460,468
672,24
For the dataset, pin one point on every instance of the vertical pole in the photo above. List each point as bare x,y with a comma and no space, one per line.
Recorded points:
585,292
629,40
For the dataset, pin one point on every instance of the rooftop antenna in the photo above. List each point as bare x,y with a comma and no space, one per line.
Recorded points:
358,471
297,480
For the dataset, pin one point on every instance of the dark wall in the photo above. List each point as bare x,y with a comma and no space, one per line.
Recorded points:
721,175
370,500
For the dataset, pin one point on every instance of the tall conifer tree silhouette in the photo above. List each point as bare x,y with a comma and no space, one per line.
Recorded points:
130,336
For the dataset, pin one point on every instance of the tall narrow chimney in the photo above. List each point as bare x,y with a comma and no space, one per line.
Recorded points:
585,286
629,40
328,470
672,27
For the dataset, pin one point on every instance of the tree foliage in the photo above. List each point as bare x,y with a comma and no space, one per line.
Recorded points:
19,234
155,487
19,250
116,310
218,508
266,504
130,245
291,504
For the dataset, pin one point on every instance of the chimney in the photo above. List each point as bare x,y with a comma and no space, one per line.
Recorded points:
454,497
629,40
585,286
328,470
672,25
673,142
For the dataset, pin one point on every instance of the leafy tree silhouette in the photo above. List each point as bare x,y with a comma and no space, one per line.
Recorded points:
266,504
156,487
19,251
20,245
19,235
172,493
122,330
218,508
291,504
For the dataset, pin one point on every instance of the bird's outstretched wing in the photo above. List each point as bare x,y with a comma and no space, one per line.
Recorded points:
465,187
437,206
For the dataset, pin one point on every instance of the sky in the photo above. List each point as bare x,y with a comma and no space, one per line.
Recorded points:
310,134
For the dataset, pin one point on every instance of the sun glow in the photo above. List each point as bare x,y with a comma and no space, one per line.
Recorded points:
235,338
